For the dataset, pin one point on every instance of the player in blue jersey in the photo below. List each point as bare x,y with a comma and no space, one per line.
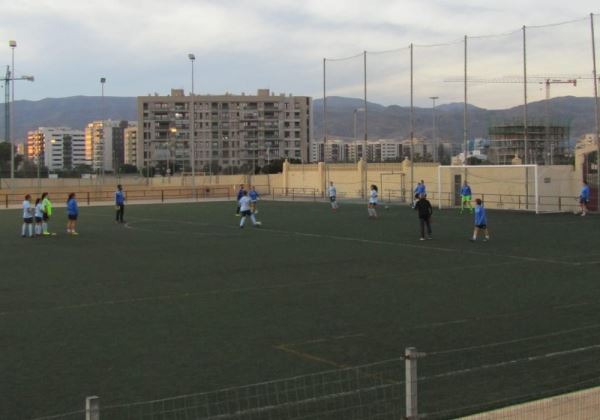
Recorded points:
253,194
72,214
372,208
584,197
465,198
120,204
480,222
419,190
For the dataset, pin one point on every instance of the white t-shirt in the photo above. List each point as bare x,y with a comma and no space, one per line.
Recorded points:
38,210
373,198
245,203
332,191
26,209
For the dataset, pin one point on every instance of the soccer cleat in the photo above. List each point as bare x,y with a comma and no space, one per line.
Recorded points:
486,239
46,233
429,238
471,240
74,233
422,239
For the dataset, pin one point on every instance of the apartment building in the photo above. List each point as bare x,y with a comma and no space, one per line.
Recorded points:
228,130
105,141
130,144
57,148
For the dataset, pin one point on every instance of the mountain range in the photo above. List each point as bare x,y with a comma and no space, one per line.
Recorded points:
383,121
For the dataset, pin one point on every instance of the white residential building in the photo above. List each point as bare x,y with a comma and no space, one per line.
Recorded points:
57,148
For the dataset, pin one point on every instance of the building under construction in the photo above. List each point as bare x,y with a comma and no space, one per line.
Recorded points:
545,144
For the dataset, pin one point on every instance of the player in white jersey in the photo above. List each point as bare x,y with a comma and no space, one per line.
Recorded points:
373,202
27,217
333,196
39,216
246,211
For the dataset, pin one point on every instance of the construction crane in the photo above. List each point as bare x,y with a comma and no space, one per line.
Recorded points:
7,79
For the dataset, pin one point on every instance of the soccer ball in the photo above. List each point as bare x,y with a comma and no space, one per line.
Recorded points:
258,223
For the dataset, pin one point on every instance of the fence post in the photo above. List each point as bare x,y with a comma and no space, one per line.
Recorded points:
410,357
88,198
6,199
162,196
559,203
314,196
293,195
92,408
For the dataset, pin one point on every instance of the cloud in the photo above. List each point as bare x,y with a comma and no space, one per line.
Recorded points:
142,46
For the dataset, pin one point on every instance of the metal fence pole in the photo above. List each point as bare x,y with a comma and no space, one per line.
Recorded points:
410,356
92,408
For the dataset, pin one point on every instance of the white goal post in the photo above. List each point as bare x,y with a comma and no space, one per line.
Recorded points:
511,182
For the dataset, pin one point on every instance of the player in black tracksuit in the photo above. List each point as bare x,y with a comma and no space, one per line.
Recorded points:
423,207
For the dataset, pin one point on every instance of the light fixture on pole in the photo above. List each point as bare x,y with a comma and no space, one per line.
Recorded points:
433,139
192,118
103,117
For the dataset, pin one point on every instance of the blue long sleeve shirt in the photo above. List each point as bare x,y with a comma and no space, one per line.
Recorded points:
253,195
480,216
72,208
119,198
466,190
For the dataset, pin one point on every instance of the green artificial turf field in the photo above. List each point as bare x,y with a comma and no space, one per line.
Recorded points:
182,301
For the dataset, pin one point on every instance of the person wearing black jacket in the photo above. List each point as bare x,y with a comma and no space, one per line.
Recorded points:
424,209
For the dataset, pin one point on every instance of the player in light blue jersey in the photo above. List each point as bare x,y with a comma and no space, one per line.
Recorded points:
72,214
27,217
253,194
480,222
39,216
332,192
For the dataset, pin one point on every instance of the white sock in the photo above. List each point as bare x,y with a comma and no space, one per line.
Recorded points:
242,220
23,229
253,219
45,227
30,229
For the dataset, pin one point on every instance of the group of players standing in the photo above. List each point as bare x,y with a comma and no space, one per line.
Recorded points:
425,209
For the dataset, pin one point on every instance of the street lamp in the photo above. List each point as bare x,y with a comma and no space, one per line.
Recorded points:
192,118
435,148
173,132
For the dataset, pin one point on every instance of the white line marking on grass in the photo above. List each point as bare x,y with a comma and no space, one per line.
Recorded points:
512,362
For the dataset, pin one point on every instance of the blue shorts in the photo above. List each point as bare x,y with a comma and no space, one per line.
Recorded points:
72,217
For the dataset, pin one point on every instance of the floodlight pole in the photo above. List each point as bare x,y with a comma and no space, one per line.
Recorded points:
597,109
12,44
433,139
465,111
324,110
366,147
412,127
525,122
192,117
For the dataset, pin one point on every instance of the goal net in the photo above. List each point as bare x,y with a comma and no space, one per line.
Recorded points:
510,187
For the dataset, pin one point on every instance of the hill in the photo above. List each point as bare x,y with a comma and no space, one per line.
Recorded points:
384,121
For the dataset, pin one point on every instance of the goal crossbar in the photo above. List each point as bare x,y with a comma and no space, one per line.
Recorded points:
470,167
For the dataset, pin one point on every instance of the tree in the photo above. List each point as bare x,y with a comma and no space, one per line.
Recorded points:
127,168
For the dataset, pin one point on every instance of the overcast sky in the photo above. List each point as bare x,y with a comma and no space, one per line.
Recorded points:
141,46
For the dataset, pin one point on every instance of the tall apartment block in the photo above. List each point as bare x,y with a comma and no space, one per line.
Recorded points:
130,144
229,130
105,141
57,148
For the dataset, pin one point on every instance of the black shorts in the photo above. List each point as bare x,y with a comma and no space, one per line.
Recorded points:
38,220
246,213
45,217
332,198
28,220
72,217
481,226
583,201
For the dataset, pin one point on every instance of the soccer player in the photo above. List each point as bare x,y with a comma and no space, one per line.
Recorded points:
425,211
244,205
253,199
47,212
39,216
240,194
120,204
373,202
27,217
465,197
72,214
480,222
332,191
584,197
